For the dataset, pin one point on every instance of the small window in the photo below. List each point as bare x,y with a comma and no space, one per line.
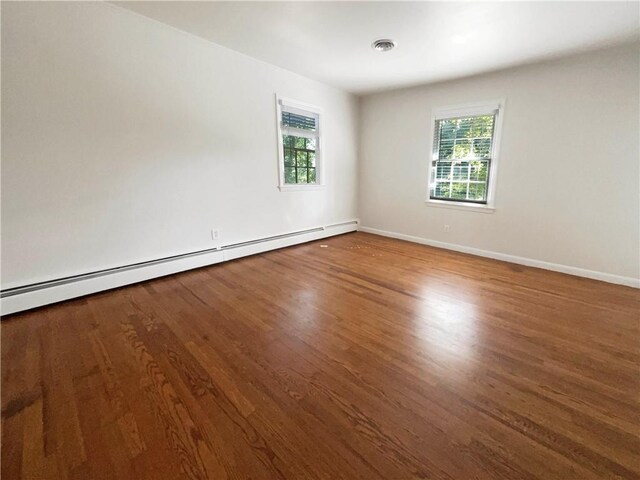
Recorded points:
299,145
464,155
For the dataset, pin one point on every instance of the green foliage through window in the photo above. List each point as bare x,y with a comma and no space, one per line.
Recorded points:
299,159
462,158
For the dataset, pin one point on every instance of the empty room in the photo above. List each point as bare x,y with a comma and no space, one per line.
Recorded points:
320,240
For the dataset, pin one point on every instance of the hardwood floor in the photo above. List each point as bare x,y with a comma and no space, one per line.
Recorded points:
369,358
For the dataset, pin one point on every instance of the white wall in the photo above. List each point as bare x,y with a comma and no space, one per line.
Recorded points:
568,186
125,140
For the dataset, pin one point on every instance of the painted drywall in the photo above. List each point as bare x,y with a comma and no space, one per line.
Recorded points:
125,140
568,184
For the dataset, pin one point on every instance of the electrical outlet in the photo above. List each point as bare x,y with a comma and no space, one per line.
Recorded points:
214,234
446,228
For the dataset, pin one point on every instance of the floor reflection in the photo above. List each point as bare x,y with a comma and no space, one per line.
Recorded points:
446,324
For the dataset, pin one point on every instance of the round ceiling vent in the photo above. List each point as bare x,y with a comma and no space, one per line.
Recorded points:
383,45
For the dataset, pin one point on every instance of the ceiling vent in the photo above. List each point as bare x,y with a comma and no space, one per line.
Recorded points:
383,45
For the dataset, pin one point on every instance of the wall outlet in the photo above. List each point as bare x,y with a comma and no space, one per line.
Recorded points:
214,234
446,228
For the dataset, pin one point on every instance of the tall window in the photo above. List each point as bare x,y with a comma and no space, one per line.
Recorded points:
463,155
299,137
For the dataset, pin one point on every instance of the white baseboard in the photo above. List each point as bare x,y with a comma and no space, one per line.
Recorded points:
81,287
530,262
85,285
252,249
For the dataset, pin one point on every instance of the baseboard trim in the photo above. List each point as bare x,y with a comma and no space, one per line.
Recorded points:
37,295
529,262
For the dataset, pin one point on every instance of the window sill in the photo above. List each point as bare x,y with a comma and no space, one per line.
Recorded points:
469,207
292,187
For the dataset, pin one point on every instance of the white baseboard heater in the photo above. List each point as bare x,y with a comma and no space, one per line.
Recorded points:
25,297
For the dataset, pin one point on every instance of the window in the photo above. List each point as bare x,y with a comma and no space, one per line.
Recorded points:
299,145
462,170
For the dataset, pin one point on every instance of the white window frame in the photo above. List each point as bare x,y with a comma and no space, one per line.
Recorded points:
288,103
472,109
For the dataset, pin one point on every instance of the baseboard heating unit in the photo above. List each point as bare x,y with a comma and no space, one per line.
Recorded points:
24,297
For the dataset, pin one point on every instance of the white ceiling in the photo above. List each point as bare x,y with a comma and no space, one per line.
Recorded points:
330,41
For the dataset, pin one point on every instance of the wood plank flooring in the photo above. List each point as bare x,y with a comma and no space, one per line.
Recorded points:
355,357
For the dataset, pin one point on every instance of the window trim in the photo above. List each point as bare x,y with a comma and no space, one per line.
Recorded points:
320,166
470,109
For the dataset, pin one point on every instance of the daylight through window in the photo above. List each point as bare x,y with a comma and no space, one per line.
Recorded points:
462,155
300,130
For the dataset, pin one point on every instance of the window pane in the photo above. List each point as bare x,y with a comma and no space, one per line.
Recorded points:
302,175
301,158
298,121
462,148
311,143
446,150
288,157
442,190
477,191
459,191
479,171
461,138
463,152
300,142
446,139
442,170
289,175
481,148
460,171
287,141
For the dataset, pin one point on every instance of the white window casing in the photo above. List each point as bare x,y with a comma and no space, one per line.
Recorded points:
304,112
486,205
